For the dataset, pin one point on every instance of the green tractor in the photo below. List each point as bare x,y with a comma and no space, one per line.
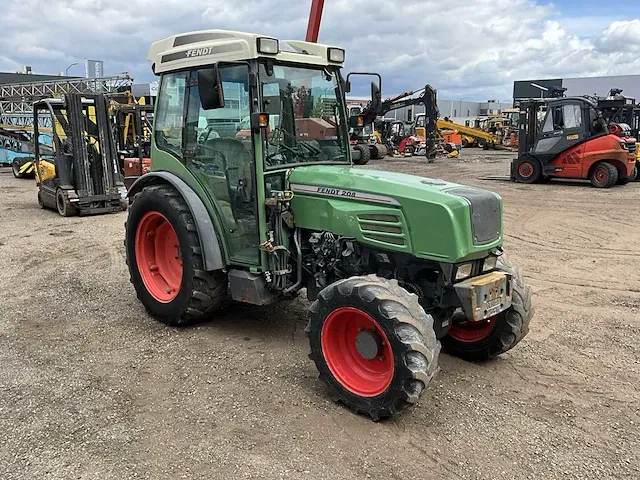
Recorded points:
395,265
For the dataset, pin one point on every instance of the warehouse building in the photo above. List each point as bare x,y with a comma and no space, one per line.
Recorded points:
597,86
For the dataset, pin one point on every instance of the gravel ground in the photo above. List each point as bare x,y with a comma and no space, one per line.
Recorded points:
93,388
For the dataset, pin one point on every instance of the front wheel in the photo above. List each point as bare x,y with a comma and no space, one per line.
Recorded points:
64,206
365,154
479,341
165,261
15,168
527,170
373,344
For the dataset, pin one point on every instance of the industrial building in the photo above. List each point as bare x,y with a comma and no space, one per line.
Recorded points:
598,86
459,111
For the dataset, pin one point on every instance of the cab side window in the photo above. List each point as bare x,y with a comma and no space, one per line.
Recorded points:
169,127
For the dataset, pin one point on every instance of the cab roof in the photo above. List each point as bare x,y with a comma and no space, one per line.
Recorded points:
205,47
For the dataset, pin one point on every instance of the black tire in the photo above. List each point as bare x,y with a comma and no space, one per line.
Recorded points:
382,150
201,293
630,178
637,179
411,341
63,204
15,168
509,327
40,202
365,155
527,170
373,152
603,175
465,143
409,150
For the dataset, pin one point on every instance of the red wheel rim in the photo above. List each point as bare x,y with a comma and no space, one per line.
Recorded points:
158,256
356,373
472,331
601,174
525,170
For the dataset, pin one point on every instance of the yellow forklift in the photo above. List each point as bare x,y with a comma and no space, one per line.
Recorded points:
78,174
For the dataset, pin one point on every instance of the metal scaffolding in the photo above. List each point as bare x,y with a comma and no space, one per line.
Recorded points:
16,101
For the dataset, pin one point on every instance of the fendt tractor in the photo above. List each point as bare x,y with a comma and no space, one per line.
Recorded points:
395,264
568,137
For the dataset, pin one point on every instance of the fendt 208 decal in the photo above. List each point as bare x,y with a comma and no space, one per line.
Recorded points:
339,192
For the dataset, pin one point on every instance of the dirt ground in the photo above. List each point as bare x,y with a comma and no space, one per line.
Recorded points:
93,388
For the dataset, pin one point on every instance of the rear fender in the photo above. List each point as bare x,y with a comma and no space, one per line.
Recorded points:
209,243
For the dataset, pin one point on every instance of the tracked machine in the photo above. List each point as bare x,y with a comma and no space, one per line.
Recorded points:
395,265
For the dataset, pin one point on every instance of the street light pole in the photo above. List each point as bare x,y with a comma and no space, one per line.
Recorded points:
66,72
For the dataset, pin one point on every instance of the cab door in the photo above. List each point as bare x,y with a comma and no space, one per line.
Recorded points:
221,156
562,129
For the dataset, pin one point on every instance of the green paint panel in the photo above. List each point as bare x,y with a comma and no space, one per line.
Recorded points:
434,224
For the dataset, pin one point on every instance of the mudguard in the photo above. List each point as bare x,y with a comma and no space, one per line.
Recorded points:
209,244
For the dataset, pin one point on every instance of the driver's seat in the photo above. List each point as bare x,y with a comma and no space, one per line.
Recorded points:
239,166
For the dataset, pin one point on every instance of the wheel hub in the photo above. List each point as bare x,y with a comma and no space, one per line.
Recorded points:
368,344
525,170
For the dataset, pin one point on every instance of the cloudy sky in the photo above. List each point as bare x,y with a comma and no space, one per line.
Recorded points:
474,50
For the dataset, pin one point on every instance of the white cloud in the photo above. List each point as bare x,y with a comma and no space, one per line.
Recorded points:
473,49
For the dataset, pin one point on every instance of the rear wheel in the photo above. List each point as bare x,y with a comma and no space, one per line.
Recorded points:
382,150
488,339
365,155
527,170
165,260
603,175
373,344
64,205
630,178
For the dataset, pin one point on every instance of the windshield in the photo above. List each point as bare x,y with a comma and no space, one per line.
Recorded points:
306,121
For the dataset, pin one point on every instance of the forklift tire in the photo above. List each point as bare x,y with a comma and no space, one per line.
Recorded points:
630,178
527,170
63,204
479,341
365,155
165,261
603,175
637,171
40,202
373,344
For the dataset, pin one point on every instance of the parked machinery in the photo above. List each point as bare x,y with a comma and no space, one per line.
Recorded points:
364,139
394,263
133,125
568,137
78,172
379,108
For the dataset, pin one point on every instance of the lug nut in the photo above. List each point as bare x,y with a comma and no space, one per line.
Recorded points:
360,328
381,358
153,268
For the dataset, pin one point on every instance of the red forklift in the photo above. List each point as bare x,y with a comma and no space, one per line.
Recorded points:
568,137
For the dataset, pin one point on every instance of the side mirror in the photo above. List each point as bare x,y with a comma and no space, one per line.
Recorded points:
347,86
210,88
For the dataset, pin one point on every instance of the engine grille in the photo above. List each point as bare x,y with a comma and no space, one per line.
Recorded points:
485,213
382,228
632,147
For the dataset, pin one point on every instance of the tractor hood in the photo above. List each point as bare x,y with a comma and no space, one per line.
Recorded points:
425,217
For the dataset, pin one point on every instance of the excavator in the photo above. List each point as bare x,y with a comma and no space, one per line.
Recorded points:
379,108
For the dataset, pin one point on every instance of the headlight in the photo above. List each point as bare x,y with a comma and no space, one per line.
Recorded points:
489,263
335,55
268,45
464,271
